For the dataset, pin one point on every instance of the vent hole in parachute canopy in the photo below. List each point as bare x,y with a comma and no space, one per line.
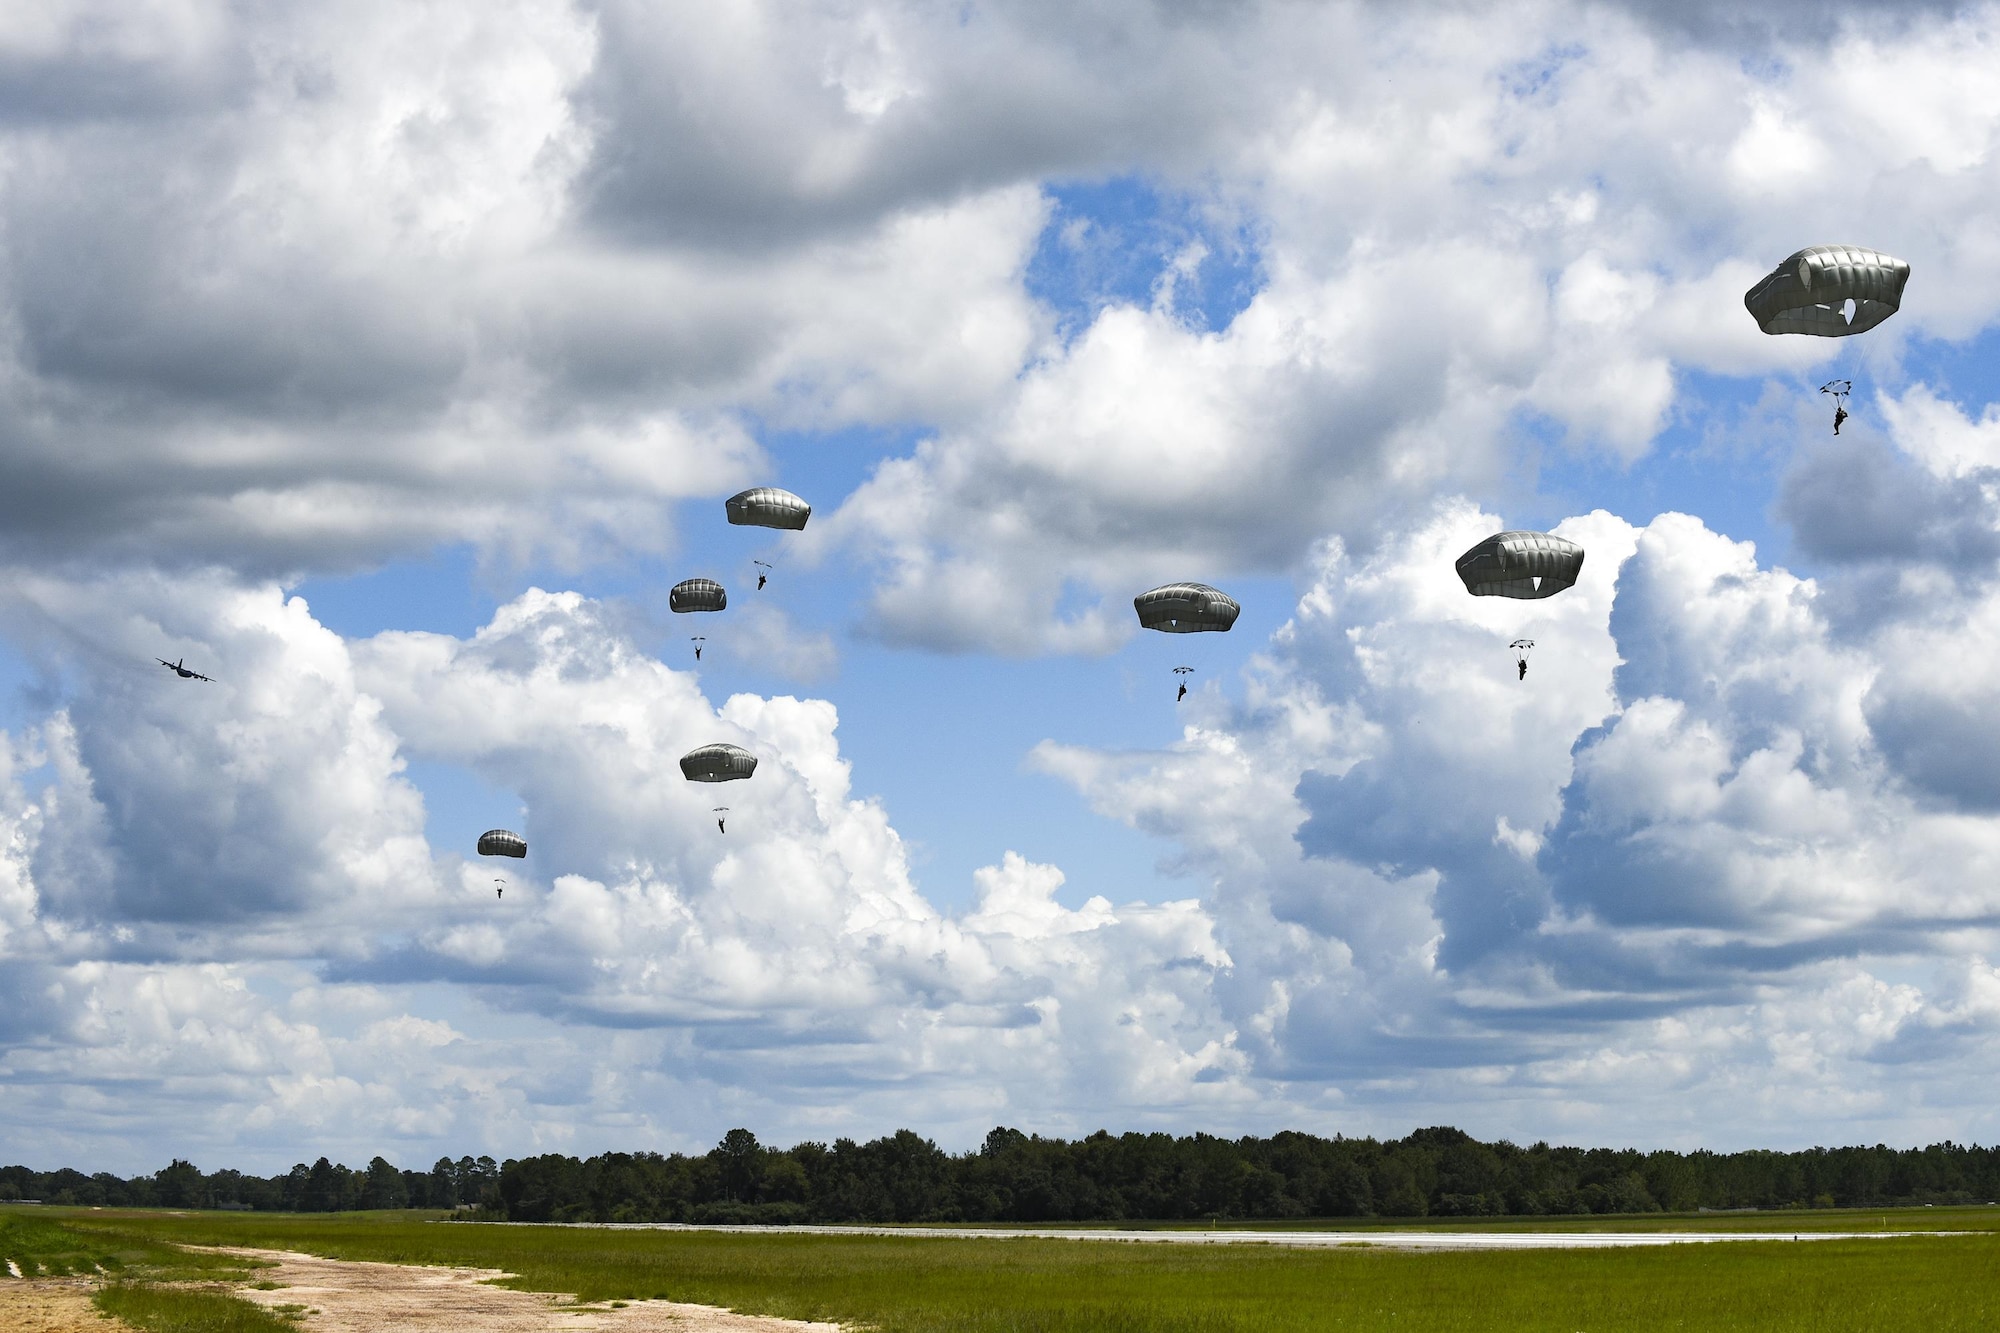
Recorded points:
1537,581
1847,309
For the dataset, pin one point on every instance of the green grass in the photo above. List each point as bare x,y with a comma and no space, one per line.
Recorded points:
50,1244
187,1310
1932,1284
39,1247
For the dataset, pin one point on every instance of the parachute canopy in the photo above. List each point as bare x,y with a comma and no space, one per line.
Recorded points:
1809,292
499,842
1520,564
1186,608
697,595
768,507
718,763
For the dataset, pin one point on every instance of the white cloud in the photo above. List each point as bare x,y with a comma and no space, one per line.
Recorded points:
296,290
1513,227
1706,869
769,957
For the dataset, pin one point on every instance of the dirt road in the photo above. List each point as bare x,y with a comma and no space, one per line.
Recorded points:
50,1305
346,1297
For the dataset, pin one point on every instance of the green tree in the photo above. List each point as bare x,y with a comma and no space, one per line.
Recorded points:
383,1187
179,1186
740,1158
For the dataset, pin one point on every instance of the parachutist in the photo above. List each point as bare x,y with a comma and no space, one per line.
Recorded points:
1522,647
1183,694
762,579
1839,415
719,827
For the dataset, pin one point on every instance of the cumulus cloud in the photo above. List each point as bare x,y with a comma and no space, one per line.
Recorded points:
186,853
295,291
302,291
1514,229
336,300
1693,833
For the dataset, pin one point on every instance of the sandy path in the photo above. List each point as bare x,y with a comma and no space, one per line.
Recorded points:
355,1297
50,1305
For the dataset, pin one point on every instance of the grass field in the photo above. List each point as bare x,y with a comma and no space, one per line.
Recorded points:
913,1285
145,1275
157,1309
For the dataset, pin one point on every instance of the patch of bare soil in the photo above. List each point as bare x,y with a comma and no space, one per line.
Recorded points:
354,1297
50,1305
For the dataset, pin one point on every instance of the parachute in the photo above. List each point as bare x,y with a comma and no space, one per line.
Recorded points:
697,595
1520,564
1186,608
499,842
718,763
767,507
1811,292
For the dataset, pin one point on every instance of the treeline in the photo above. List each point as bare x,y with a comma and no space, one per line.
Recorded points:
1015,1177
323,1187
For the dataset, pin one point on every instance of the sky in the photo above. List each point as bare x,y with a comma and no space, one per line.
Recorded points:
388,362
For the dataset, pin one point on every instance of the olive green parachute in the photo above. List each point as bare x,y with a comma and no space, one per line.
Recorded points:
718,763
767,507
1520,564
1809,292
697,595
500,842
1186,608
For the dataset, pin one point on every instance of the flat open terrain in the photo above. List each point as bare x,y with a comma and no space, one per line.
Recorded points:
926,1284
350,1296
49,1305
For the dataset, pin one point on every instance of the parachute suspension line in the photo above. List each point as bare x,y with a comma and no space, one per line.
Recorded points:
1838,391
